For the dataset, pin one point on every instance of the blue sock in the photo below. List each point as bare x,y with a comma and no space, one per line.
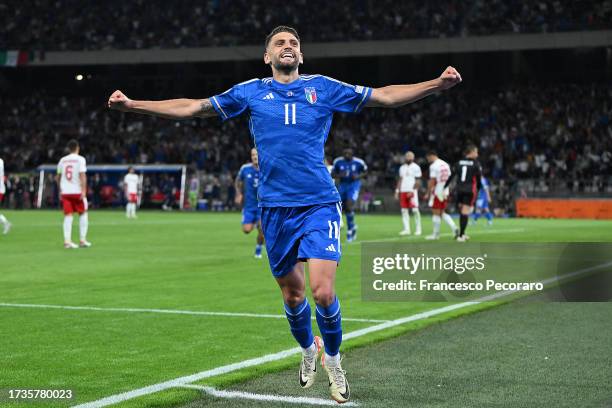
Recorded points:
299,321
329,320
476,216
489,216
258,249
350,220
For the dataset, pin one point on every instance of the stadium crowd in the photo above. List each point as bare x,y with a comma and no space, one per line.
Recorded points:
551,134
116,24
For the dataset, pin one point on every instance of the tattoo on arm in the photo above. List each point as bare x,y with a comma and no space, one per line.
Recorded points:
206,109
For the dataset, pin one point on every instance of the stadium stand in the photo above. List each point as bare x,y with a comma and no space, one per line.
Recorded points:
135,24
561,139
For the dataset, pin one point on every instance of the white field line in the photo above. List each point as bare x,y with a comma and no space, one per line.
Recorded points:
182,381
449,234
170,311
267,397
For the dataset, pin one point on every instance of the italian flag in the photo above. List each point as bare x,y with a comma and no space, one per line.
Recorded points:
13,58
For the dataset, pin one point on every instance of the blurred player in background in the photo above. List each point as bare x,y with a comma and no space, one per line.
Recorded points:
72,179
468,172
131,183
6,225
290,117
247,182
194,191
483,201
407,191
349,170
437,192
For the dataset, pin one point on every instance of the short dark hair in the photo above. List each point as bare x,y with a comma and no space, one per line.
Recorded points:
470,148
281,29
431,153
72,145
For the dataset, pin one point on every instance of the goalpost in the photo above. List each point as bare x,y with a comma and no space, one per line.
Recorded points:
117,171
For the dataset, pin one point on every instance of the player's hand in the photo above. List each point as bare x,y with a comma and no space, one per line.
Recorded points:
396,195
119,101
449,78
442,196
238,199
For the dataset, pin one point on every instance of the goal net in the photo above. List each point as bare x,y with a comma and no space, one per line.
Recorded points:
159,185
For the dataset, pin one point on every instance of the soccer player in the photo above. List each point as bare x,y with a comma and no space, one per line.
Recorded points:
72,180
290,117
194,191
483,201
246,184
6,225
469,173
130,185
437,192
349,170
407,191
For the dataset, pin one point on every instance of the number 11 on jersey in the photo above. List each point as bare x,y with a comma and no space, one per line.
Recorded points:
292,113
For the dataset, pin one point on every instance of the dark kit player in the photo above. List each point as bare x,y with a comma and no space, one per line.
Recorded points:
469,180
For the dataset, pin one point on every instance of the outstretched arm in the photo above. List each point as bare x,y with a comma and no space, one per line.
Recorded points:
169,109
393,96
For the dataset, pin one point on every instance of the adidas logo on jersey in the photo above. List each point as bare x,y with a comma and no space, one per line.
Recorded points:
269,96
331,248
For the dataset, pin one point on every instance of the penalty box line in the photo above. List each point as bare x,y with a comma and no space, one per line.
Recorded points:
186,380
170,311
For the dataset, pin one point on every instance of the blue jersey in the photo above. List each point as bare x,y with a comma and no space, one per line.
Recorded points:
346,169
249,176
482,193
289,124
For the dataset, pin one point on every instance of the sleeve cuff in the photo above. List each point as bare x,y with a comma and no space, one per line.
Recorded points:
364,100
217,107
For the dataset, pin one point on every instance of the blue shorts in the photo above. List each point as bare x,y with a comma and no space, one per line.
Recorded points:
295,234
482,203
349,191
251,215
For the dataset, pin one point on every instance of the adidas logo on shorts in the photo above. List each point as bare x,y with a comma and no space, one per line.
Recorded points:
331,248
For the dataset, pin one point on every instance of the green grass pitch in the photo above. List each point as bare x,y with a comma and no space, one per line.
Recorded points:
182,261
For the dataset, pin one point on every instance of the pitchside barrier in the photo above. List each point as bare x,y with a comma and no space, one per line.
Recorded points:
564,208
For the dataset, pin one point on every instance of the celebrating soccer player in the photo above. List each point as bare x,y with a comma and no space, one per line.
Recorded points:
407,191
6,225
469,181
437,192
130,185
349,170
72,180
246,184
290,117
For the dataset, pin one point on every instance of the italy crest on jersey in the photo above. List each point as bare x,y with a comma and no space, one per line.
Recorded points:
311,95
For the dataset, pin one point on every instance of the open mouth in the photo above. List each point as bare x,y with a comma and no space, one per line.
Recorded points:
287,54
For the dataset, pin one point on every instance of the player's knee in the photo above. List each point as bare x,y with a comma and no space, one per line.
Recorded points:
293,298
323,296
246,228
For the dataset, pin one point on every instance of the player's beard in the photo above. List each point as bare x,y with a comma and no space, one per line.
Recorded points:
286,68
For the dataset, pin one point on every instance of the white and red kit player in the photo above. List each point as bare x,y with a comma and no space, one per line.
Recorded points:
439,172
6,225
72,180
130,183
407,191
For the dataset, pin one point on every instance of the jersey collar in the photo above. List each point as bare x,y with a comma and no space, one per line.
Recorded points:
292,85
